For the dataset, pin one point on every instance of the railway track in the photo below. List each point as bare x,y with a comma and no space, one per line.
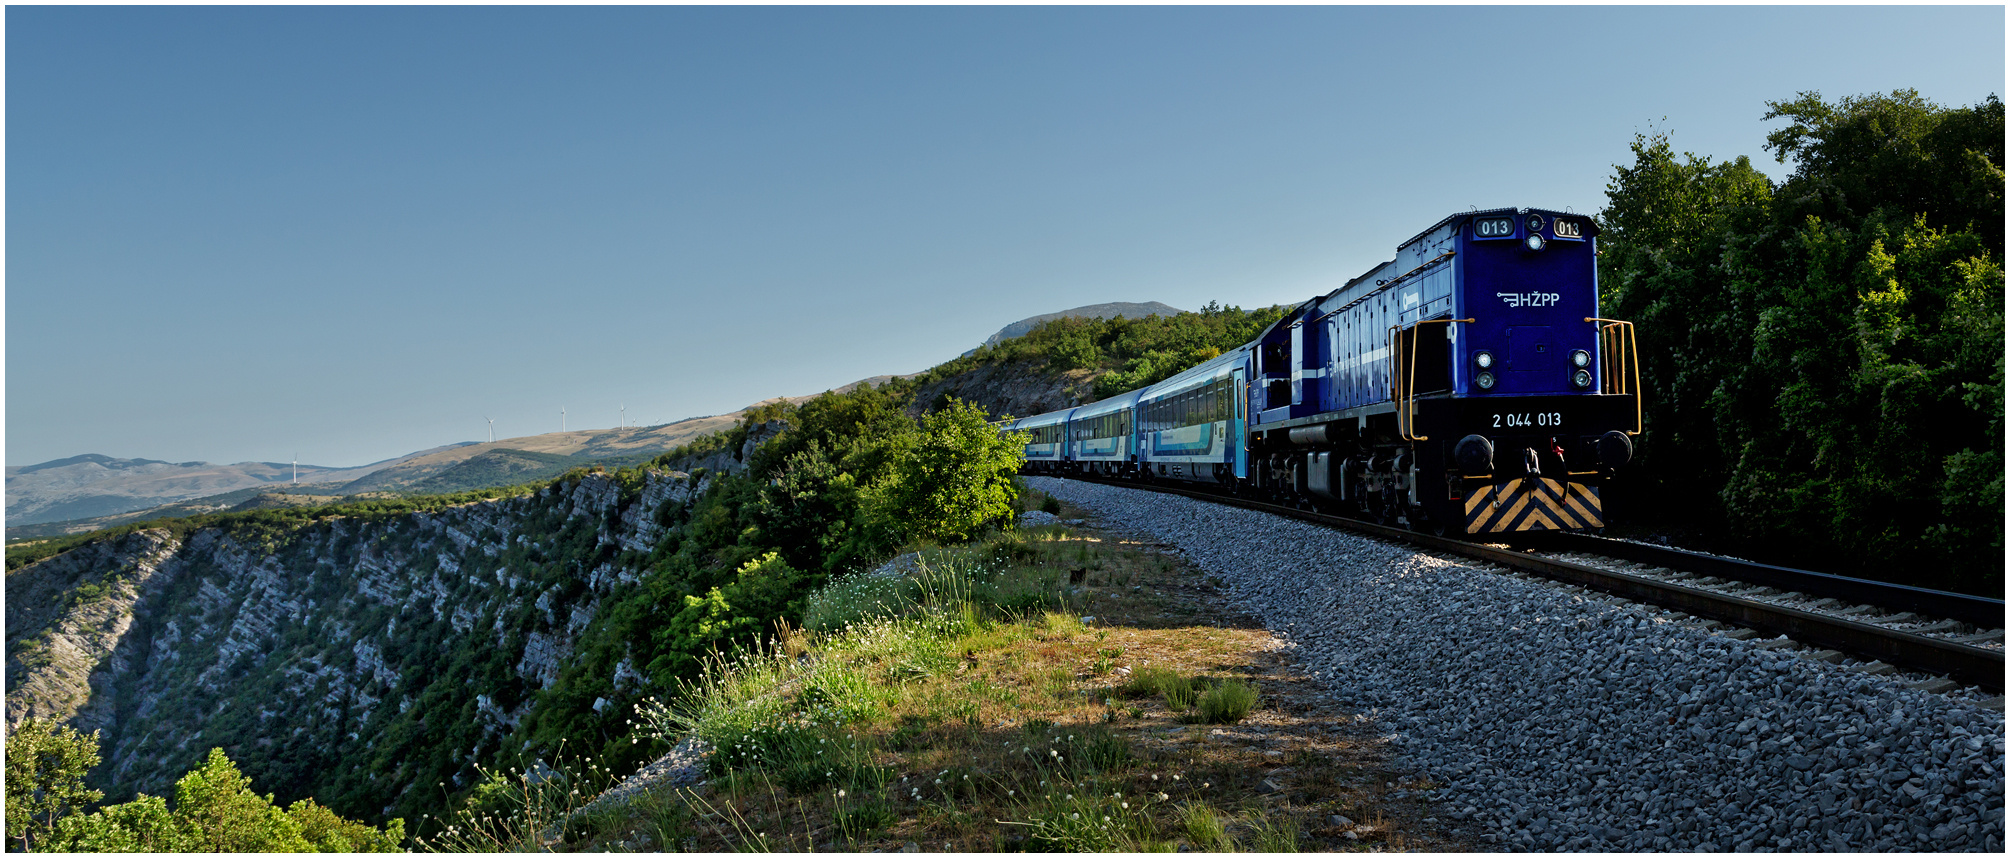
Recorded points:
1956,639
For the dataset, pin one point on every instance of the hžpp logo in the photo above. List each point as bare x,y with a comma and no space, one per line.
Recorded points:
1529,299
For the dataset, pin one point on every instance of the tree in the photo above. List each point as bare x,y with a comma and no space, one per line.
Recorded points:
217,810
951,480
214,809
1822,358
141,825
46,765
326,832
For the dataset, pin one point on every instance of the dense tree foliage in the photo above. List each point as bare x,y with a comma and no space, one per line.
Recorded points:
1122,354
46,764
1823,357
950,481
215,809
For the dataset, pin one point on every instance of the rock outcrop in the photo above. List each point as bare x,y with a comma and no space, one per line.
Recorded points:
332,641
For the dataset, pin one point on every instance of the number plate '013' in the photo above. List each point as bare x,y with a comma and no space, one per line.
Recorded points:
1540,418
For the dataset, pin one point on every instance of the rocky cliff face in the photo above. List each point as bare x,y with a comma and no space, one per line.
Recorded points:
418,643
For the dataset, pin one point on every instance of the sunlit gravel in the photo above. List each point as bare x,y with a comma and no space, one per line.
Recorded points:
1550,721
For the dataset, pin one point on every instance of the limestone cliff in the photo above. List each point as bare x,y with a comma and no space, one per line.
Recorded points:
361,660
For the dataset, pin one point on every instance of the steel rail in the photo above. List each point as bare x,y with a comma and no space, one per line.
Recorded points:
1974,610
1967,664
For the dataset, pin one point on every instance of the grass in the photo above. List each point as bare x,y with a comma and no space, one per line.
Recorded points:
524,809
1226,702
970,708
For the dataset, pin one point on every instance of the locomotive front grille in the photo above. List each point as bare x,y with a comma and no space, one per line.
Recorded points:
1533,503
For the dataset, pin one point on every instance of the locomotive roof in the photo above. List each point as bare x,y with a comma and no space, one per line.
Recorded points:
1552,213
1298,312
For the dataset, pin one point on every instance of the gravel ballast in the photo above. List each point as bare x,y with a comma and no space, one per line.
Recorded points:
1549,720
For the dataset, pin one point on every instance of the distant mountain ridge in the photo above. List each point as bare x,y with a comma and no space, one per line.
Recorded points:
1115,310
95,485
94,491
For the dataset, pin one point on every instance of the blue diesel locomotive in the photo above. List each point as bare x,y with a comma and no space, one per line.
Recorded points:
1468,385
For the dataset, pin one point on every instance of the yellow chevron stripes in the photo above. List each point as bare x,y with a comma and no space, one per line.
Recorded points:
1533,503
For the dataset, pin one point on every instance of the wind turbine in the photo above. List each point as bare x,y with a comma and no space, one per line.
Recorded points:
624,415
492,427
296,469
561,418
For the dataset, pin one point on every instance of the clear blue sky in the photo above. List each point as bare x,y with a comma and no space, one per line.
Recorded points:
240,233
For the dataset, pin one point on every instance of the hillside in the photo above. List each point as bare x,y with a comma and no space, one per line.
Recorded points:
559,450
257,497
350,639
93,486
93,492
373,653
1115,310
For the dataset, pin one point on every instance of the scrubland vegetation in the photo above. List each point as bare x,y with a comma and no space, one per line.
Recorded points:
1030,690
1121,354
1823,356
214,808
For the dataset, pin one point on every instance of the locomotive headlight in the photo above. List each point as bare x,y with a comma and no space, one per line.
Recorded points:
1483,360
1581,378
1485,380
1580,358
1534,242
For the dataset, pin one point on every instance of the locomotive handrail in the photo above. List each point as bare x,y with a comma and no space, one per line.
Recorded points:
1615,350
1406,401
